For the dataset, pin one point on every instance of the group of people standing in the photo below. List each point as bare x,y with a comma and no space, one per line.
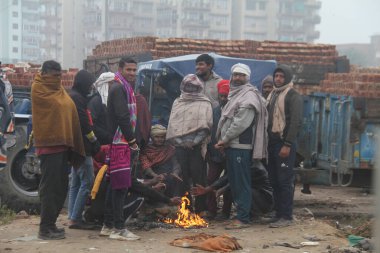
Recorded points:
215,126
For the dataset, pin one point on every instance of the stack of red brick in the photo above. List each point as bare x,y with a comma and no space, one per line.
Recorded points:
312,61
23,77
283,52
356,84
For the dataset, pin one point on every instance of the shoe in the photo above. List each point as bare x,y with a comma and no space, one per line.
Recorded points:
106,231
82,225
265,220
57,229
222,217
123,235
305,191
281,223
50,235
236,224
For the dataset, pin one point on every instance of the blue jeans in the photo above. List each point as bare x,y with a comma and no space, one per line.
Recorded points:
239,163
281,177
80,186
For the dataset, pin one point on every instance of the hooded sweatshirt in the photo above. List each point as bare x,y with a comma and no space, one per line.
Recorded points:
292,107
78,93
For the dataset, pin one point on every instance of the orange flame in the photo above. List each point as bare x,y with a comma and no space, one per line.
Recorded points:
185,218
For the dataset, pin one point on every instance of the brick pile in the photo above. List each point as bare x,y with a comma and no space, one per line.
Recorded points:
21,77
310,62
359,83
283,52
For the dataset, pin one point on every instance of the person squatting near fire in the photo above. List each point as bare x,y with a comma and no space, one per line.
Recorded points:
81,179
58,142
262,192
121,110
139,191
242,135
158,161
189,131
285,107
216,161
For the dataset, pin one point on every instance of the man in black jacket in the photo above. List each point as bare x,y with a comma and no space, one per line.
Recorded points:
82,178
122,114
285,115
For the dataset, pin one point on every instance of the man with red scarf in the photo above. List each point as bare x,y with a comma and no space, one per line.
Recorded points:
158,161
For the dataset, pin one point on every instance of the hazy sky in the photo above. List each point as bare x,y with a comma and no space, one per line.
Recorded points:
349,21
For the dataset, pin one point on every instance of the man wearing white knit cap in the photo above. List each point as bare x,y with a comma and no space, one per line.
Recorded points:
242,134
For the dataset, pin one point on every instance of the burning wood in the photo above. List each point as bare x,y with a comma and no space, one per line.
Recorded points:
185,218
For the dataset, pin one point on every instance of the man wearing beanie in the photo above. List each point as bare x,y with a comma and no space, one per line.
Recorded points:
204,65
242,134
267,86
215,159
82,178
285,114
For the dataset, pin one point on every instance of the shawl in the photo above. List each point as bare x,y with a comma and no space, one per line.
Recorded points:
248,96
132,107
101,84
276,101
144,119
155,156
192,111
55,118
189,116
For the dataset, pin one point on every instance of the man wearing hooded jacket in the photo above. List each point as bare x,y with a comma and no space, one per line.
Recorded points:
285,114
82,178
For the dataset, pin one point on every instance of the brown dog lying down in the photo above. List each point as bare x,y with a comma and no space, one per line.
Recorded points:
221,243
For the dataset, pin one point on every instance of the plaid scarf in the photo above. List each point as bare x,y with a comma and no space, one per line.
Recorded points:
152,155
118,138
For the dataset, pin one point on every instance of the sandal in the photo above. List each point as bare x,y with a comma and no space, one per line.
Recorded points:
236,224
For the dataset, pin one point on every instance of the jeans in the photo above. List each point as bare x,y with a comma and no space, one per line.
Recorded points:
281,176
239,171
114,210
53,187
80,186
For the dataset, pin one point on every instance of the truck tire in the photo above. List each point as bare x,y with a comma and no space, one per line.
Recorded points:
18,187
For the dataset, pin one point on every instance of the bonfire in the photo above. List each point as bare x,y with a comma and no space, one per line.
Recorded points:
185,218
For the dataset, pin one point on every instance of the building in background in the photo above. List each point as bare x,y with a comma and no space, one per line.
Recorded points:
362,54
31,30
67,31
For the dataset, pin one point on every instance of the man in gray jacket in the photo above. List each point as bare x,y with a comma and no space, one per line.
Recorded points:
242,133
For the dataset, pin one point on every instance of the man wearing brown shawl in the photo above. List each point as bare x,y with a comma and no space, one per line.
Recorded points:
189,130
158,161
58,141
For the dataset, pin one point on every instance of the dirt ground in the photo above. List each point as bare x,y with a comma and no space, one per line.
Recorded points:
332,207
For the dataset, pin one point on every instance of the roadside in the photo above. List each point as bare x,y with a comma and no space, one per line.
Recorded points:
328,204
